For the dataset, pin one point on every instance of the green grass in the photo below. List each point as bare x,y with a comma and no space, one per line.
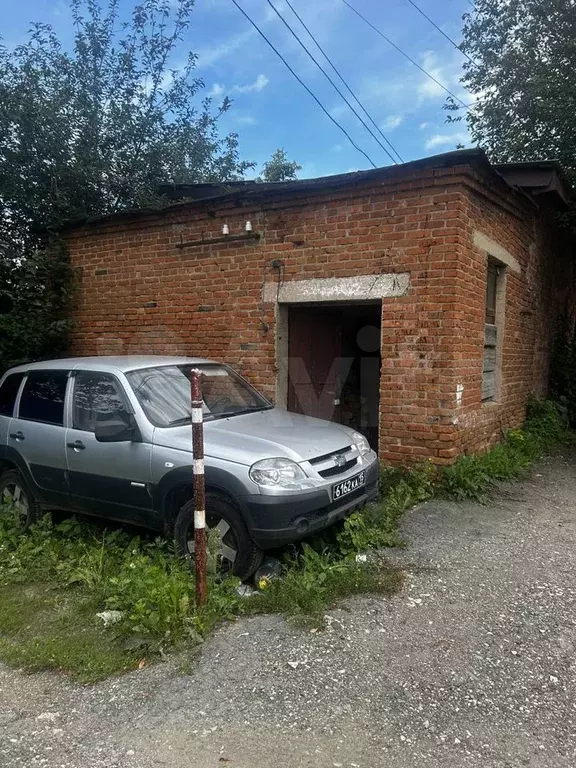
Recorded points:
43,627
56,578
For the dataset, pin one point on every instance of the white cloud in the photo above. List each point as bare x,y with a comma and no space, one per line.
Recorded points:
209,56
258,85
245,120
391,122
339,111
216,91
337,148
280,5
446,76
447,140
423,126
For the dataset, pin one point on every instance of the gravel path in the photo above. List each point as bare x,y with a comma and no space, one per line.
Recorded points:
471,665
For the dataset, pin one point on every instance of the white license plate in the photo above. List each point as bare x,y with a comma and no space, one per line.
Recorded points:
348,486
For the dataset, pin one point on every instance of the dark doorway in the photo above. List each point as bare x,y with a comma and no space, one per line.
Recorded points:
334,364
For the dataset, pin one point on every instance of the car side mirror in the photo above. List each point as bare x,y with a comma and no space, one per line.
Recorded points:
119,427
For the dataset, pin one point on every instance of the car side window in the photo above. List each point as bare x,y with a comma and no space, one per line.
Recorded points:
96,395
43,397
9,392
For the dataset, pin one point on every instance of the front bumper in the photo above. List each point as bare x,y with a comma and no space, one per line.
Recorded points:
277,520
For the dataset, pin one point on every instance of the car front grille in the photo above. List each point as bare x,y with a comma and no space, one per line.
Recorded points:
331,471
326,465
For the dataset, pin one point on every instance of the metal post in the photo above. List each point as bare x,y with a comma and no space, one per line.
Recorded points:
199,486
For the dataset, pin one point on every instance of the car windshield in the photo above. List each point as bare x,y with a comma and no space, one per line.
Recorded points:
164,393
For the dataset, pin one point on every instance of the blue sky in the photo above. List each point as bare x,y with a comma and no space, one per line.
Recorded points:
271,109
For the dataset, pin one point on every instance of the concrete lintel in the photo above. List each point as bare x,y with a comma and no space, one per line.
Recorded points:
361,288
495,250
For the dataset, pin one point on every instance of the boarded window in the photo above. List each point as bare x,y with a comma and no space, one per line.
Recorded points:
490,334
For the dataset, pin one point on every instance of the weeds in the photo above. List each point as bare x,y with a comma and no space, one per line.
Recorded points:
315,580
471,477
55,580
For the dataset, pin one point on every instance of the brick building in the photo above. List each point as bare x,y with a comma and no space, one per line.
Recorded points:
417,302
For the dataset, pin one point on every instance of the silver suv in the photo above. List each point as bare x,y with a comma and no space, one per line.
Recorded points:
111,436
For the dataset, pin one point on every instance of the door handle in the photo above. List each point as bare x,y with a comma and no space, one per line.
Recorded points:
78,445
17,436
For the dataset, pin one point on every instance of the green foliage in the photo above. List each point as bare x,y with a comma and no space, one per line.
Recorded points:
64,575
91,127
470,477
521,71
314,580
96,126
35,298
55,579
153,590
279,168
43,627
376,525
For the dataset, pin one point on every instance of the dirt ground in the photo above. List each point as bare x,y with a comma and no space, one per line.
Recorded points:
472,664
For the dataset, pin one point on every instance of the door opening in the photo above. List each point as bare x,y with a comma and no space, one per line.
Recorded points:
334,364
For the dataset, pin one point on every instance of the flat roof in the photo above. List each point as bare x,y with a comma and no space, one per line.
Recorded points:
250,190
515,175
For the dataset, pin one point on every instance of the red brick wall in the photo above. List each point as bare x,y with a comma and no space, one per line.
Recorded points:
208,299
533,300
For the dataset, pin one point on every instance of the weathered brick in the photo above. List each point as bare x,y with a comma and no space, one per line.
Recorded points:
209,299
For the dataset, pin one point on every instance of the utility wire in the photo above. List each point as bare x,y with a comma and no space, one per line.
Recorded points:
354,96
303,84
453,42
406,56
327,76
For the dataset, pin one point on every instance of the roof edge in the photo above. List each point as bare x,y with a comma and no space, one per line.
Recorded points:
259,189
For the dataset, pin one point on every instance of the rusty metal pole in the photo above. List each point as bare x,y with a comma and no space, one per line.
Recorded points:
199,486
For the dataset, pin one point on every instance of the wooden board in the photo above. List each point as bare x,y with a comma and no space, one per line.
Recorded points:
489,359
490,335
488,385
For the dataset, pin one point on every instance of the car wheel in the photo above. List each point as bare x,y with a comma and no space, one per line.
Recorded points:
16,499
235,552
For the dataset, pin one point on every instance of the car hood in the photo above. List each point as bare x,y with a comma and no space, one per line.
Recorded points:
266,434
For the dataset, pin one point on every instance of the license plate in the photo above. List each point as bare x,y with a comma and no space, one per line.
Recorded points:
348,486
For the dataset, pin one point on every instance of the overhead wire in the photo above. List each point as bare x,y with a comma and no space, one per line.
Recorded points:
450,40
303,84
327,76
343,80
403,53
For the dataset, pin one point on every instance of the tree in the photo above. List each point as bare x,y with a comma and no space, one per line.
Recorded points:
279,168
97,128
522,72
92,129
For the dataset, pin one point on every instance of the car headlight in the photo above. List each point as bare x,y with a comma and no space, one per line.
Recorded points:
278,472
361,443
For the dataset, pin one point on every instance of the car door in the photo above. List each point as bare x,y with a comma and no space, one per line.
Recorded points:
106,479
36,435
9,389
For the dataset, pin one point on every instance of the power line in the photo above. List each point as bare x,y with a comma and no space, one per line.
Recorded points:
356,99
303,84
406,56
327,76
454,43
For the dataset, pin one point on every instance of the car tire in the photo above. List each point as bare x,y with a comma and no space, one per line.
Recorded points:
14,489
223,516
